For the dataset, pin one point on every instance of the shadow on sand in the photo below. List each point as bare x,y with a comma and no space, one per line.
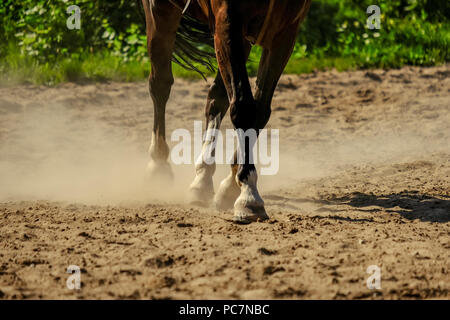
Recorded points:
409,204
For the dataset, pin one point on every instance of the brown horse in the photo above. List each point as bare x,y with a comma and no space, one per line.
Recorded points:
175,28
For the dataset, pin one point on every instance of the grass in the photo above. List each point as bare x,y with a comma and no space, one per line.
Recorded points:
16,68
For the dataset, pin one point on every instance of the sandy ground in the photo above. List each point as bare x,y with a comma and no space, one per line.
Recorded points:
364,180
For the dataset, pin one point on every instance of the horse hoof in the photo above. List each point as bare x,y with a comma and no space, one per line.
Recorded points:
224,203
159,173
249,210
200,198
201,194
226,195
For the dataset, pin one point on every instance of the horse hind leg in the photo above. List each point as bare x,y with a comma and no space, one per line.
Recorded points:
162,19
201,191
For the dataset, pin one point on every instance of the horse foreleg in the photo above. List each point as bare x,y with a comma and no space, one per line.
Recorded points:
229,45
273,62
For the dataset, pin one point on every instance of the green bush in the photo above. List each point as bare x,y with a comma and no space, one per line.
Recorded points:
38,28
413,32
34,37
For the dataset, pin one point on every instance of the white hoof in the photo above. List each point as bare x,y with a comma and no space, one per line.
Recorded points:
227,194
201,192
248,210
159,172
249,206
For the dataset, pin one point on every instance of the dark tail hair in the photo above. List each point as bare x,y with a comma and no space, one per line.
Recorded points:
194,44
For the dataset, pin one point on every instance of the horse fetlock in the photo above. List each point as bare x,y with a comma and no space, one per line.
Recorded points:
159,150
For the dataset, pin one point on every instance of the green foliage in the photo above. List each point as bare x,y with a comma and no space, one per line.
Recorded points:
413,32
38,28
36,45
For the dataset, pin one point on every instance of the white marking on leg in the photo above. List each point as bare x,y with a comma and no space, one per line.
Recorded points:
227,194
158,150
158,167
202,189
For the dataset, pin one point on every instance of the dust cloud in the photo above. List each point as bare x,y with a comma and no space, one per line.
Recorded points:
53,155
57,155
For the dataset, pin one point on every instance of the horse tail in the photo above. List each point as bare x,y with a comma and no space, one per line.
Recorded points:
194,42
194,45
